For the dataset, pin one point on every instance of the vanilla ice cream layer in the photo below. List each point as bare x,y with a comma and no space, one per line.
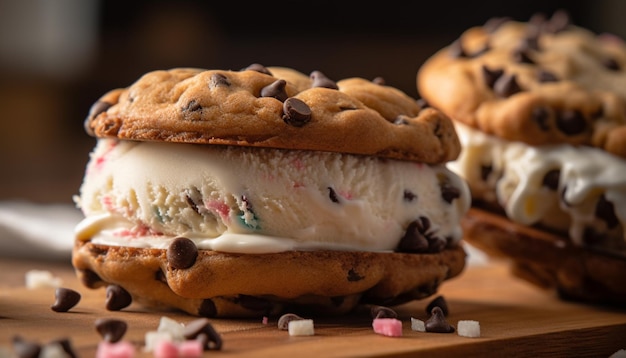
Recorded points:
580,191
254,200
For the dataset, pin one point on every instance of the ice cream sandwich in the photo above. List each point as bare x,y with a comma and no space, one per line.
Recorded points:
248,193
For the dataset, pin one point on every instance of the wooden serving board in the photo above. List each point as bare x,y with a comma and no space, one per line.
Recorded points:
516,319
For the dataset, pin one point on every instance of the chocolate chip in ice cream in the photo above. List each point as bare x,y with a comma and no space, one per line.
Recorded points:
409,196
414,239
551,179
117,298
296,112
66,298
182,253
605,210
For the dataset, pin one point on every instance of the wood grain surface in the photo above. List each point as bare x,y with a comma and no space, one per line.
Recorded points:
516,320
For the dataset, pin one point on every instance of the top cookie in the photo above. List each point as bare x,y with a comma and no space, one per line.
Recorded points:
275,107
545,81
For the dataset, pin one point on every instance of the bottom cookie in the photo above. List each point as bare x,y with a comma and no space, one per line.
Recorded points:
219,284
548,260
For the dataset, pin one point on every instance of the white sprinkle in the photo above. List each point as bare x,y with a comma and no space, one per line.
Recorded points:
301,327
41,278
54,350
418,325
468,328
172,327
153,338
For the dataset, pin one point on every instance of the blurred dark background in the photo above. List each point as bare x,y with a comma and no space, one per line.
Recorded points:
59,56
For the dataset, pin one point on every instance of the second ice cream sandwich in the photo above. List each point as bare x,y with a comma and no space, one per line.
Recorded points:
253,192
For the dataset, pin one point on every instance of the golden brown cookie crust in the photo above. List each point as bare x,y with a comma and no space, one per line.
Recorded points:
547,260
353,116
568,87
238,285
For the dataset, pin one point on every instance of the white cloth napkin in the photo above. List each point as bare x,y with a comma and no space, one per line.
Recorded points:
37,231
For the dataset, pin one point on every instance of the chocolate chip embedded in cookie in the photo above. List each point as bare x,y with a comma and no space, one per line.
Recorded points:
544,81
274,107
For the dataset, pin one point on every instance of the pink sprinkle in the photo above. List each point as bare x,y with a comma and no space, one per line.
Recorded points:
190,349
165,349
264,319
221,208
121,349
390,327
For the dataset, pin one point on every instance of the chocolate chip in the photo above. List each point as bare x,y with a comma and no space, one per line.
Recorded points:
491,76
66,345
333,195
283,321
571,122
379,81
506,86
117,298
354,276
218,80
409,196
296,112
97,108
182,253
382,312
192,204
160,276
276,90
320,80
541,116
492,24
440,302
456,49
546,76
605,210
551,179
449,192
520,55
485,171
25,349
90,279
437,322
192,106
207,309
531,42
259,68
611,64
414,239
66,298
559,21
202,329
111,330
